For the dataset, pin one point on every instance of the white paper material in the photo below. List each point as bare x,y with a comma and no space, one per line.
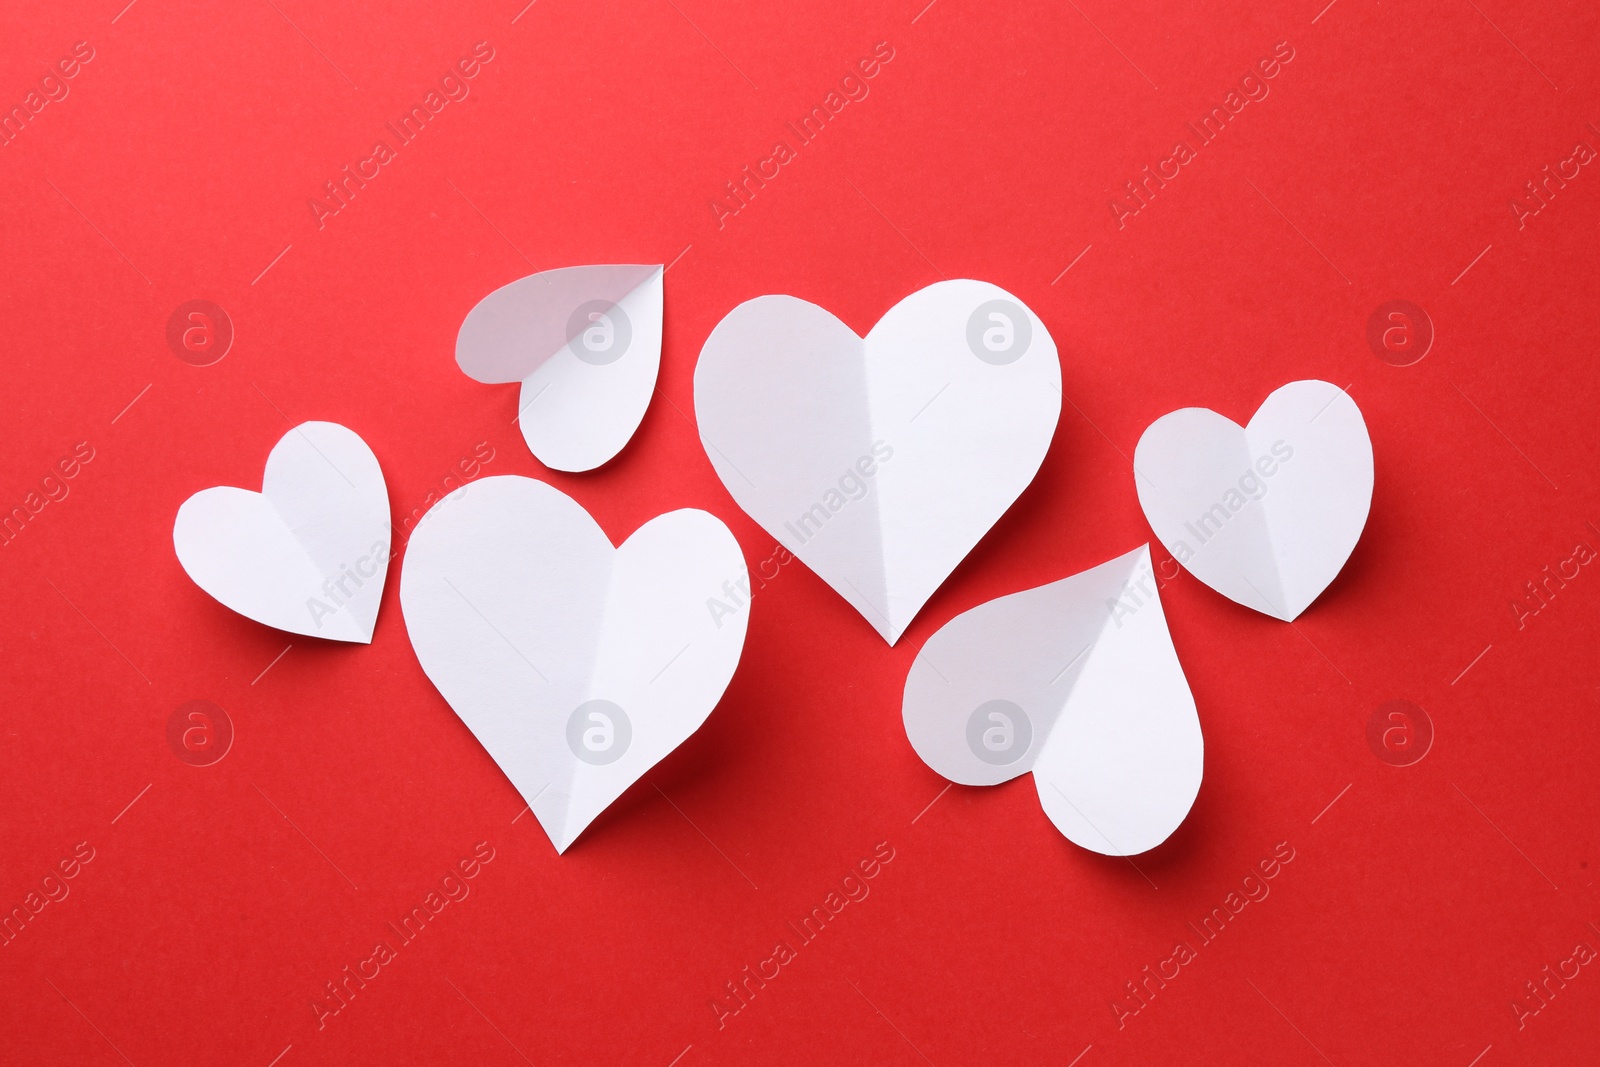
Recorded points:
577,665
1078,682
308,554
585,342
1268,513
880,462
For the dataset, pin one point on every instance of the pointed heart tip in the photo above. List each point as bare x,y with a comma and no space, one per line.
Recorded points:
560,834
1288,615
564,841
355,634
888,629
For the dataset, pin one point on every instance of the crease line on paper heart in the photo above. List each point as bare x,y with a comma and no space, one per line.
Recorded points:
1083,655
896,625
1275,582
1354,409
300,428
880,583
569,833
1139,562
496,377
1141,555
653,271
566,772
341,618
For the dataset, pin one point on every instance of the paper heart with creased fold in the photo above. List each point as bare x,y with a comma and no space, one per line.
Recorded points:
578,666
880,461
585,342
1265,514
309,553
1076,681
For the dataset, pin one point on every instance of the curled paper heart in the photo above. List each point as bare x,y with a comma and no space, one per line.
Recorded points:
1076,681
1265,514
585,342
578,666
880,461
309,553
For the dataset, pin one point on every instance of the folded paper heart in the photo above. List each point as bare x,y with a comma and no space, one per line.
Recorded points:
880,461
309,553
1078,682
585,342
1265,514
578,666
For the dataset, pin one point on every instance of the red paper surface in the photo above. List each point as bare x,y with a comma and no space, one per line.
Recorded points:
1382,164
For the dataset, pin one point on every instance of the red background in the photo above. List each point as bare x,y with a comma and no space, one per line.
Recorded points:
1382,163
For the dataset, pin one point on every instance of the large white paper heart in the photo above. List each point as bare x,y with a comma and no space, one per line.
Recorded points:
585,342
880,461
1265,514
308,554
578,666
1078,682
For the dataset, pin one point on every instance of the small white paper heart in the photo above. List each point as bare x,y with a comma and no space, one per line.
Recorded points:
1268,513
1078,682
585,342
880,461
577,666
308,554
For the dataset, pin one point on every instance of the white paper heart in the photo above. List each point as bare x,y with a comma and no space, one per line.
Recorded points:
585,342
577,666
308,554
1078,682
1268,513
880,461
